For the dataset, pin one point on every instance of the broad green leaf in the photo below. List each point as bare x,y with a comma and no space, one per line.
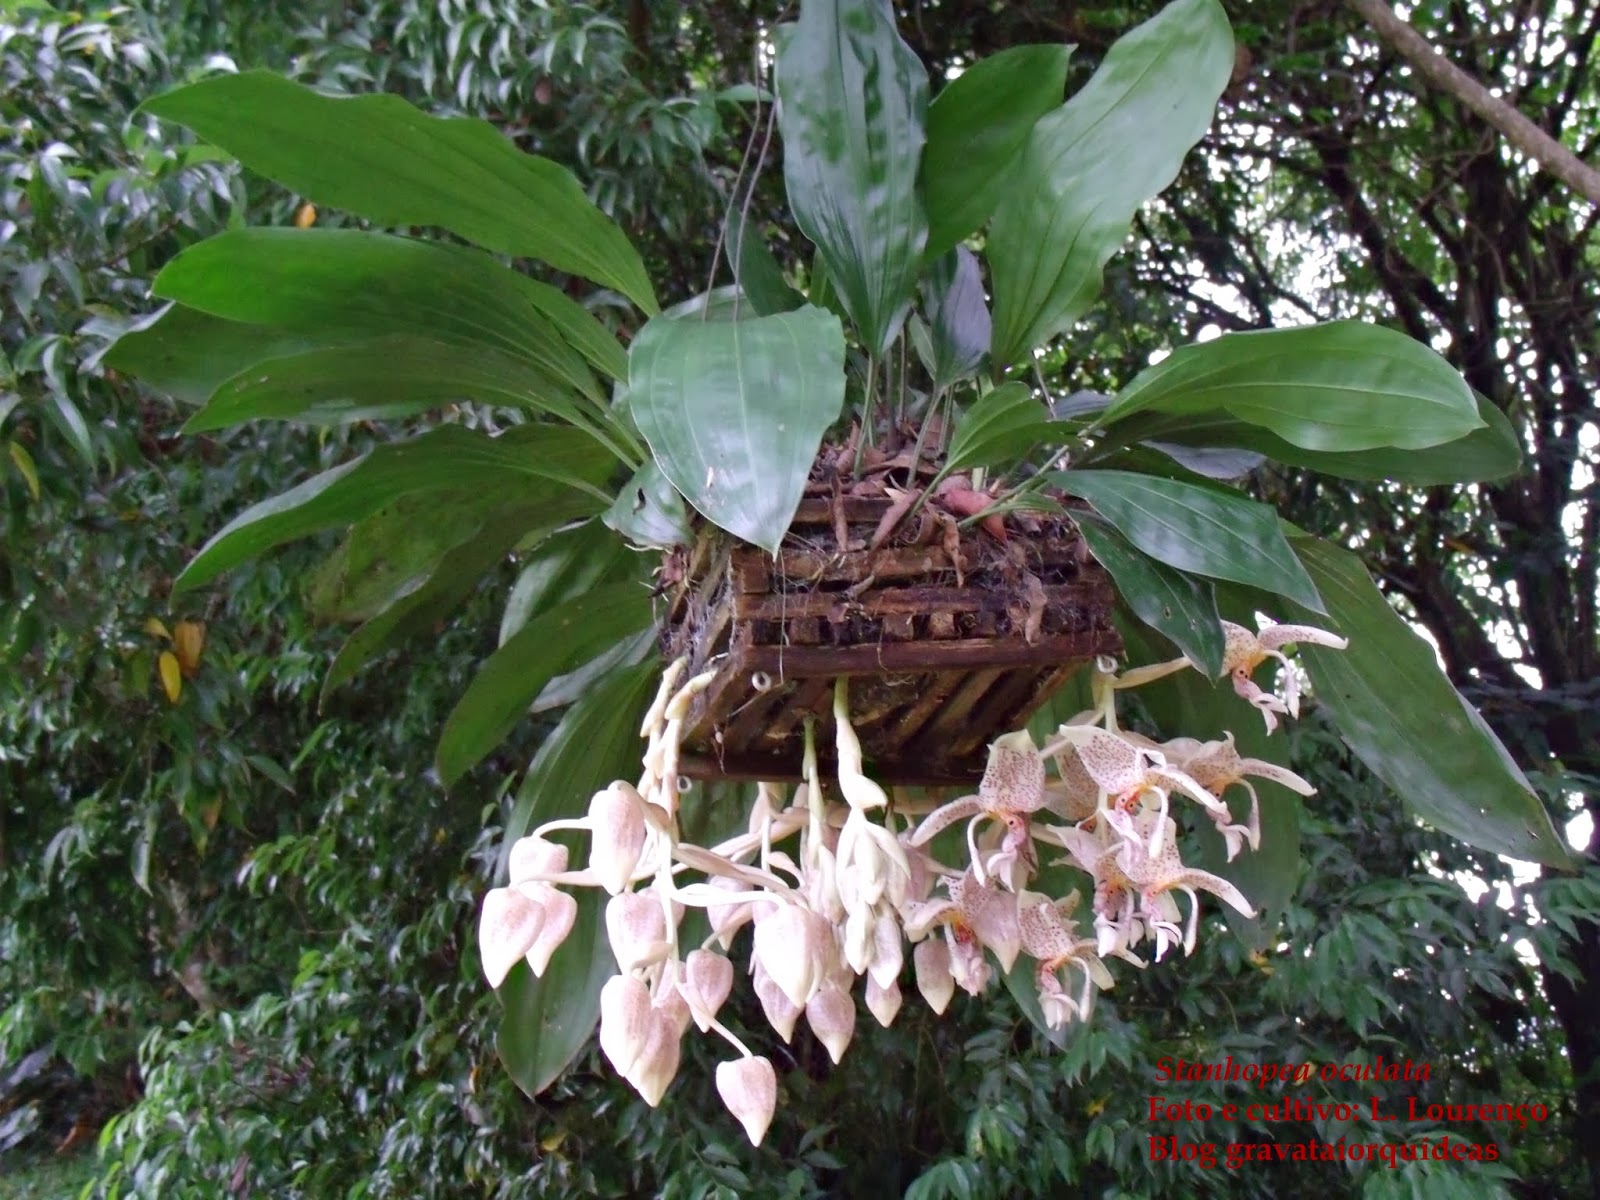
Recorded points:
756,271
416,373
553,642
976,128
958,317
1398,712
575,684
393,552
547,1021
377,156
734,411
1175,605
1186,705
725,303
1001,425
852,108
1487,453
345,284
563,569
418,611
1202,530
556,466
189,354
1067,203
650,512
1341,386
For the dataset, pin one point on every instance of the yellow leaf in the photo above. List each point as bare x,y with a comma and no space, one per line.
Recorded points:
188,640
210,813
1096,1108
25,467
171,675
551,1142
305,216
155,628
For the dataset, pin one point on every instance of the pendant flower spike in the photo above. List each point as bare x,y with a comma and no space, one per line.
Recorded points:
840,905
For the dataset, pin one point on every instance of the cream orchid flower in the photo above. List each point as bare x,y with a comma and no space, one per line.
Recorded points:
1125,769
977,915
1049,935
1244,651
1012,789
1217,766
1132,886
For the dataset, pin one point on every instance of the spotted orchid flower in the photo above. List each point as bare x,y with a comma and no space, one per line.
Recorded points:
1218,766
1049,935
1012,789
1244,651
977,915
1132,896
1125,769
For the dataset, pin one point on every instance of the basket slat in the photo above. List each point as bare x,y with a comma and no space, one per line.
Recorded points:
943,656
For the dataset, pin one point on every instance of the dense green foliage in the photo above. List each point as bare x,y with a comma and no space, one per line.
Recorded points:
245,923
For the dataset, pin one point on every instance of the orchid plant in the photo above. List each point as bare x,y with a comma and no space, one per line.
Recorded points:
898,362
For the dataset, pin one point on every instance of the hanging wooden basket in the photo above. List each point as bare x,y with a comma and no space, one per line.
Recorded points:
946,645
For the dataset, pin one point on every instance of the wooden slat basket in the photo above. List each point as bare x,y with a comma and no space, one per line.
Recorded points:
944,651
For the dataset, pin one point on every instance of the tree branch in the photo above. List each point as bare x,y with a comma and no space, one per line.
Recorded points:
1518,130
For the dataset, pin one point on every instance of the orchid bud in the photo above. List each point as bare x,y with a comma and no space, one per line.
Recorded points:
507,928
749,1087
781,1012
795,945
637,929
707,980
625,1017
832,1017
883,1001
858,944
533,857
657,1064
560,911
934,980
616,819
888,951
672,1004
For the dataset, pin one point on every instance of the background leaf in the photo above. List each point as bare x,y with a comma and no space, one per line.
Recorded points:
852,107
976,127
1067,203
377,156
1205,530
1401,716
734,411
1339,386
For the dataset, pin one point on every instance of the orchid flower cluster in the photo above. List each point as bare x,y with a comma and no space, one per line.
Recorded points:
860,882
